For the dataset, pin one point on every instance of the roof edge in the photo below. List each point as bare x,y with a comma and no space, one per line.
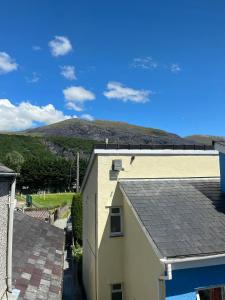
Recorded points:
144,152
195,261
219,146
154,152
147,235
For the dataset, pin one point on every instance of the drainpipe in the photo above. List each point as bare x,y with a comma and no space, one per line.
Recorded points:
168,273
11,203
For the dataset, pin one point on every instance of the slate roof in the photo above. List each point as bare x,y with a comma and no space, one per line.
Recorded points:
37,258
183,217
4,169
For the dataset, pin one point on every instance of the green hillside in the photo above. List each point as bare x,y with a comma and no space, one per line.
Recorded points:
30,146
25,145
44,163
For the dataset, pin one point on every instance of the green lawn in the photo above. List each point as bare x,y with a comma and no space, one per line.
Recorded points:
49,200
52,200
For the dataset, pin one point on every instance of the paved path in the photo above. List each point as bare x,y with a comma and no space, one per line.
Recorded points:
71,289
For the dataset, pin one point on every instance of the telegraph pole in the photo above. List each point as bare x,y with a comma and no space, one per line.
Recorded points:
78,172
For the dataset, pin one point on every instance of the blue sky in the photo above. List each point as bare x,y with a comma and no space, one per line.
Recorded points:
153,63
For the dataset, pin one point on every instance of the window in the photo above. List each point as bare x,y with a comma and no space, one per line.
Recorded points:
115,221
117,293
216,293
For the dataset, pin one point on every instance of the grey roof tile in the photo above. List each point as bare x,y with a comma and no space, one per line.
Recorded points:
183,217
4,169
37,257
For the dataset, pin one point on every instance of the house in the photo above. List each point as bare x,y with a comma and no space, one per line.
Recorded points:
37,259
154,223
7,201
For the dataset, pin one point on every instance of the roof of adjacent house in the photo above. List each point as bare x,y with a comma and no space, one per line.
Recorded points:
219,145
37,258
42,214
4,169
183,217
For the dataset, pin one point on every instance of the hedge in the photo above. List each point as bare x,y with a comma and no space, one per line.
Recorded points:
76,214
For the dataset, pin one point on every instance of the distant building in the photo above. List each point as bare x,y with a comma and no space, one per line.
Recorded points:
7,203
154,223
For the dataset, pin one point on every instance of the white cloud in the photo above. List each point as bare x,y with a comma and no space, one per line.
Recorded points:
68,72
87,117
36,48
7,64
116,90
148,63
144,63
73,106
26,115
75,97
60,45
175,68
33,79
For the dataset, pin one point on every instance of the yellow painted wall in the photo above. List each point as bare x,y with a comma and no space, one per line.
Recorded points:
89,198
112,261
142,268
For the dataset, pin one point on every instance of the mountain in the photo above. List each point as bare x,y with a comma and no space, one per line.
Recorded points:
45,157
204,139
115,132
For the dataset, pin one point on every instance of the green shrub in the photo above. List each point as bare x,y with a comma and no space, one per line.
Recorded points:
77,252
76,214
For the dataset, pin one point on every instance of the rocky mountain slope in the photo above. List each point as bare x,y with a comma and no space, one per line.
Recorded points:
116,132
204,139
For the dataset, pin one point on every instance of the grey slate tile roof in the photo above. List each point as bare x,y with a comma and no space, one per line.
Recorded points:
38,250
183,217
4,169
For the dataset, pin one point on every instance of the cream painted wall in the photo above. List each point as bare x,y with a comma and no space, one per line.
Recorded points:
111,261
142,267
89,198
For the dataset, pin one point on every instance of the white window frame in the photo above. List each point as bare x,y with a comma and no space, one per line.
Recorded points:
120,214
117,290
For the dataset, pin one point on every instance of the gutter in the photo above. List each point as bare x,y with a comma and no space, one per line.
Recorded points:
189,262
168,262
9,174
10,235
191,259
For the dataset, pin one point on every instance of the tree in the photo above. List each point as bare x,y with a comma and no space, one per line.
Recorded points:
14,160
